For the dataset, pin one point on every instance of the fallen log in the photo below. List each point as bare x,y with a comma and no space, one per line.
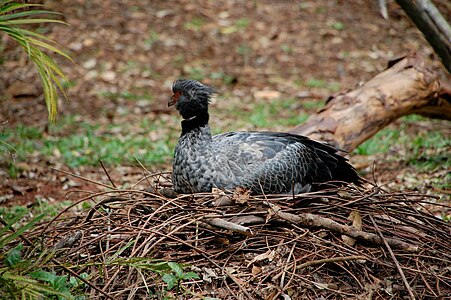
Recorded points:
408,86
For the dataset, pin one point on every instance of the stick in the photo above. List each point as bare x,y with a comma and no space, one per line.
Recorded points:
230,226
249,296
404,279
330,260
106,172
311,220
83,178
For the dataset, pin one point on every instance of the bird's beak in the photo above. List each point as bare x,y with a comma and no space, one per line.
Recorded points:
172,101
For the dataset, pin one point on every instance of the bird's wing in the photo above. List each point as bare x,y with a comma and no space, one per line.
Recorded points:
275,160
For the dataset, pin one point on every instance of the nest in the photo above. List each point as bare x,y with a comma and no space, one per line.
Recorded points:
340,243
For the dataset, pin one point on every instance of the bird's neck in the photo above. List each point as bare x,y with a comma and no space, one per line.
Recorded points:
194,123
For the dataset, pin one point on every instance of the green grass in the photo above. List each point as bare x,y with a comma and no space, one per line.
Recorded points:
276,113
427,150
78,143
127,95
195,24
322,84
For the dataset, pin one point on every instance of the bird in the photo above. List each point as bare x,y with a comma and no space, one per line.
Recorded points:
263,162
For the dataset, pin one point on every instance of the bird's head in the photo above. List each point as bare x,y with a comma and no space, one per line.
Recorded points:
190,97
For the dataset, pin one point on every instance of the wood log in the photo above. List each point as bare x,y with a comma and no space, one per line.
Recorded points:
408,86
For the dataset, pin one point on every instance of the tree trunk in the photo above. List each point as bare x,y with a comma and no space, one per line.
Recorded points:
406,87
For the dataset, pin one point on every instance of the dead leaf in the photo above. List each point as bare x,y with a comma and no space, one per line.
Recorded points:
320,285
208,274
222,201
267,95
241,195
248,219
356,219
256,270
344,194
21,89
269,255
220,197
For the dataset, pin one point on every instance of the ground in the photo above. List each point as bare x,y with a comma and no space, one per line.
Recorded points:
273,63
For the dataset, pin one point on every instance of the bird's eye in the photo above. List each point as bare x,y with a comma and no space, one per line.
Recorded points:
176,96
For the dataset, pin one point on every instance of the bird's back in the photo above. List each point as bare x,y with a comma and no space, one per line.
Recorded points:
275,163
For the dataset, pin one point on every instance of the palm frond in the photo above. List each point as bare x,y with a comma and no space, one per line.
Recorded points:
34,43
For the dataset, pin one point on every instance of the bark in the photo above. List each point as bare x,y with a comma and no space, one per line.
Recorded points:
406,87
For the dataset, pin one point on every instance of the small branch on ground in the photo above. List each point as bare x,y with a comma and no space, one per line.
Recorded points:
393,256
330,260
314,221
217,222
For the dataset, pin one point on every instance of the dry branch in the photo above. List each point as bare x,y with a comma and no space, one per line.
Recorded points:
393,256
351,118
315,221
229,226
432,24
330,260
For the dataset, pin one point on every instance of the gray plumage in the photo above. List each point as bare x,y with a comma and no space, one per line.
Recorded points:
265,162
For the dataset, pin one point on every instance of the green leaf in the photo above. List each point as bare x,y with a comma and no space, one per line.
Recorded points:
170,280
49,72
6,8
176,268
60,282
30,21
44,276
14,256
5,240
32,287
190,275
25,14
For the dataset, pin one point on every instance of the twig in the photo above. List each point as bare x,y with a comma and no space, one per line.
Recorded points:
73,273
401,272
106,172
234,279
284,270
165,229
311,220
330,260
229,226
70,206
83,178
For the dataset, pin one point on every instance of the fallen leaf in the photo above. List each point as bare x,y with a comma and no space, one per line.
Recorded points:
356,219
269,255
266,95
241,195
256,270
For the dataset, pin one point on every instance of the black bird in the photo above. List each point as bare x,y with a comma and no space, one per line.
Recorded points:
265,162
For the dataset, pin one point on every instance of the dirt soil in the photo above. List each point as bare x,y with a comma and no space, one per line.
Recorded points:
140,47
